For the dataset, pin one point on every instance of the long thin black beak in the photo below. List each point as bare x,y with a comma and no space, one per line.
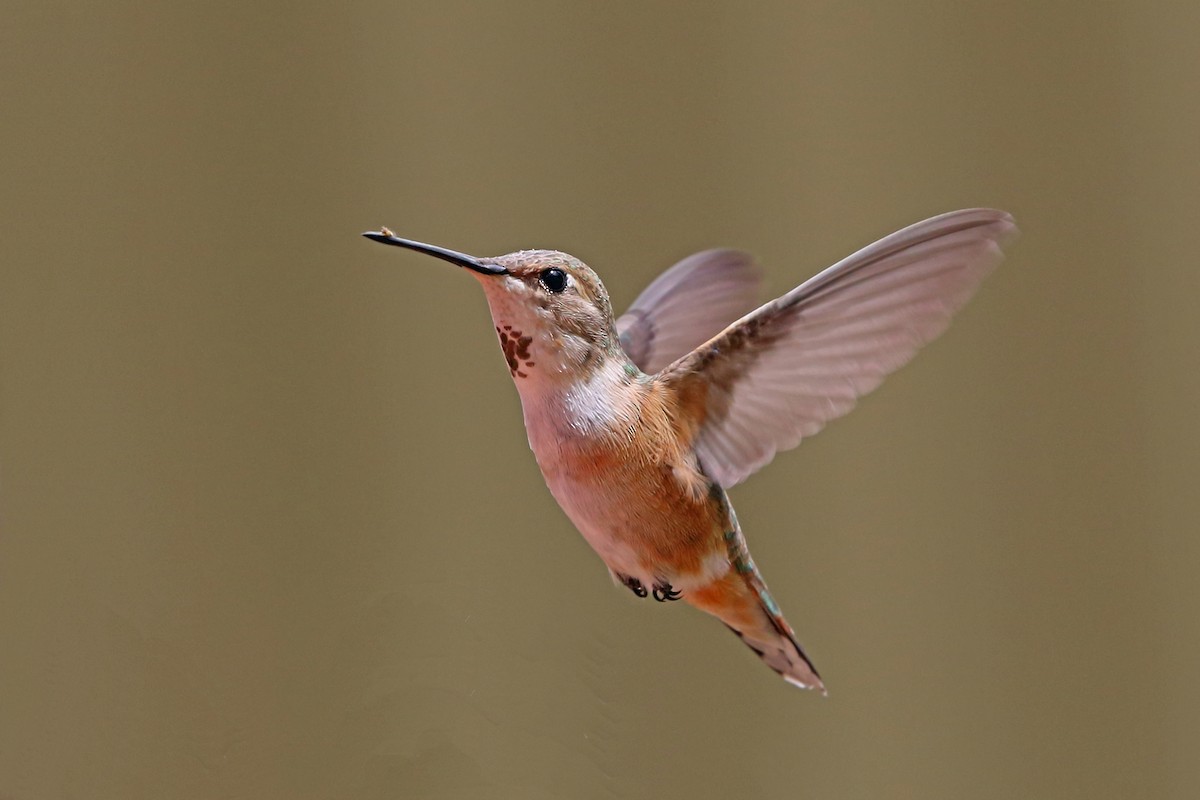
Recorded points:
453,256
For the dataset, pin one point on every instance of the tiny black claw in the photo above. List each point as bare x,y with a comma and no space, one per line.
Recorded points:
634,585
665,591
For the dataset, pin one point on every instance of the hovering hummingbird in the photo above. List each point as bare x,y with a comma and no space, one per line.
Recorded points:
641,423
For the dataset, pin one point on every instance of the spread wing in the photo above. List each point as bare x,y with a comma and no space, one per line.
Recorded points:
687,305
777,375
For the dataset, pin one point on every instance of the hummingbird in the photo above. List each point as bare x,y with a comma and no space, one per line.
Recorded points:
641,423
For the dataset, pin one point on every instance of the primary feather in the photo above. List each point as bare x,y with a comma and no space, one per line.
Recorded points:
777,375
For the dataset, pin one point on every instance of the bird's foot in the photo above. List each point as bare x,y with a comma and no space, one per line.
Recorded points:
665,591
634,585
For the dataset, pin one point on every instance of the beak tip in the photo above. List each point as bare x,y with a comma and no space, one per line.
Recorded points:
385,236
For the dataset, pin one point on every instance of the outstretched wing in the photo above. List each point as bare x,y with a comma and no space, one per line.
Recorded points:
779,374
687,305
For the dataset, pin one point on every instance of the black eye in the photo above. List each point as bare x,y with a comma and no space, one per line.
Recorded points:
554,279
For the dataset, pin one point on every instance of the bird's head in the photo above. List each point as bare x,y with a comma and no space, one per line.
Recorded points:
550,310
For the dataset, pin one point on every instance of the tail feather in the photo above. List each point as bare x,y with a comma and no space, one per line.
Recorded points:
740,599
782,653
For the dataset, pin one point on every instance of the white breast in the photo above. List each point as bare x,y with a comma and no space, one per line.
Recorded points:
566,421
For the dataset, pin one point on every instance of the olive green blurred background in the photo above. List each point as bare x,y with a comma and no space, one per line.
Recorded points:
271,528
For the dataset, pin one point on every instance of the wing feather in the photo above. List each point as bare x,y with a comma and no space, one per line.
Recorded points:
779,374
687,305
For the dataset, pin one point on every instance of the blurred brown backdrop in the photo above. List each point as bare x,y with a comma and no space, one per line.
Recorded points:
254,542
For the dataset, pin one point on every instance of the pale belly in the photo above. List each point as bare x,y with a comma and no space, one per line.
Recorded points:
642,522
607,517
646,516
